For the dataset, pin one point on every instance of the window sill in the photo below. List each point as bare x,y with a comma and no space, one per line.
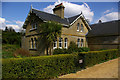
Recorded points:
33,49
32,29
77,30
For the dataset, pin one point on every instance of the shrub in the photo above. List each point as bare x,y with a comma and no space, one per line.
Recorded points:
21,52
39,67
60,51
83,49
71,49
94,57
52,66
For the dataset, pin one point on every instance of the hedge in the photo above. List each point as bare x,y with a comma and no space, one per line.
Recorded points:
95,57
53,66
39,67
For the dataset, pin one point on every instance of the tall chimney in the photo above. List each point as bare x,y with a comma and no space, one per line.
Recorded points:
59,10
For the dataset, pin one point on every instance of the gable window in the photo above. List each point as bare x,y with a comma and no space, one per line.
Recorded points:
60,42
34,25
82,42
55,44
32,45
35,43
65,42
78,26
82,28
78,42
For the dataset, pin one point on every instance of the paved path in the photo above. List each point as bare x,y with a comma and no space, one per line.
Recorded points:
104,70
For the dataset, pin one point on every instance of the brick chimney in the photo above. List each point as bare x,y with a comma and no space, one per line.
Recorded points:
59,10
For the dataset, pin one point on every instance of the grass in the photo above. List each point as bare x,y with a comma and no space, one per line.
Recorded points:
8,50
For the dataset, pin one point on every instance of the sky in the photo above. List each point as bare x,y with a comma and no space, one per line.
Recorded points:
15,13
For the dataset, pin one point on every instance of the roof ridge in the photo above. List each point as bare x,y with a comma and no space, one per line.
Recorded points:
105,22
48,13
75,15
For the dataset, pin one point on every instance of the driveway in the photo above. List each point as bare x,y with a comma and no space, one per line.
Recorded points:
107,69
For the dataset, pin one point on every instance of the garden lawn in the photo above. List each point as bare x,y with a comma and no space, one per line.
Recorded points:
8,50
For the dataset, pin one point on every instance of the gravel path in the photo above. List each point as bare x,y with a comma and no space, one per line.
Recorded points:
107,69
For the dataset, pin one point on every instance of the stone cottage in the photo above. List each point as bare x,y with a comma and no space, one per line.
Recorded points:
74,29
104,35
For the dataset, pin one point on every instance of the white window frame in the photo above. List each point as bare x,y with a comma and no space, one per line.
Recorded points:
32,43
82,43
35,25
55,42
78,26
60,43
65,43
35,43
82,28
78,43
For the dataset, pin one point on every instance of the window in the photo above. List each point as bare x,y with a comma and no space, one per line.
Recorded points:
35,43
82,42
34,25
55,44
78,26
60,42
82,28
78,42
65,42
32,46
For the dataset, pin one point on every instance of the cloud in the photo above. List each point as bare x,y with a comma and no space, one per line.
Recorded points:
17,25
107,11
72,9
2,20
2,23
109,17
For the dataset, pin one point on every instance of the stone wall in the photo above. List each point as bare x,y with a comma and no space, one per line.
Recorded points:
103,42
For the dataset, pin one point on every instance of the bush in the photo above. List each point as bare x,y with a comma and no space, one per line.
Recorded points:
83,49
39,67
21,53
71,49
60,51
52,66
95,57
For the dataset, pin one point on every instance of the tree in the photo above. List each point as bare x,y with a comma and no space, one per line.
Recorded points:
49,32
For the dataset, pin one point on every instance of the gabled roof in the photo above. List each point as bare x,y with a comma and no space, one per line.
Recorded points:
104,29
52,17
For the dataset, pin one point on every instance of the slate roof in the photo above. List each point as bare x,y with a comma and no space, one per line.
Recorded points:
49,17
104,29
52,17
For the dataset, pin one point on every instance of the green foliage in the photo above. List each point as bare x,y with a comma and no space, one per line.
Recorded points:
83,49
95,57
8,50
55,65
9,37
60,51
49,32
71,49
39,67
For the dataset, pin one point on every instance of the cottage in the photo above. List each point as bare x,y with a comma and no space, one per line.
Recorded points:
74,29
104,35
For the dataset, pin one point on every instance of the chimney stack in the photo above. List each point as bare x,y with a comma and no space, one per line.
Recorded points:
59,10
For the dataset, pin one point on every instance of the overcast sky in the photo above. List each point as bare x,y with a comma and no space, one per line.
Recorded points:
15,13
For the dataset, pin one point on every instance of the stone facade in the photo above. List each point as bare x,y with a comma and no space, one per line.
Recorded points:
104,36
33,42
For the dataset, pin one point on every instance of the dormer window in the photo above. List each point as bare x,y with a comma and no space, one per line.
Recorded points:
78,27
82,28
34,25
